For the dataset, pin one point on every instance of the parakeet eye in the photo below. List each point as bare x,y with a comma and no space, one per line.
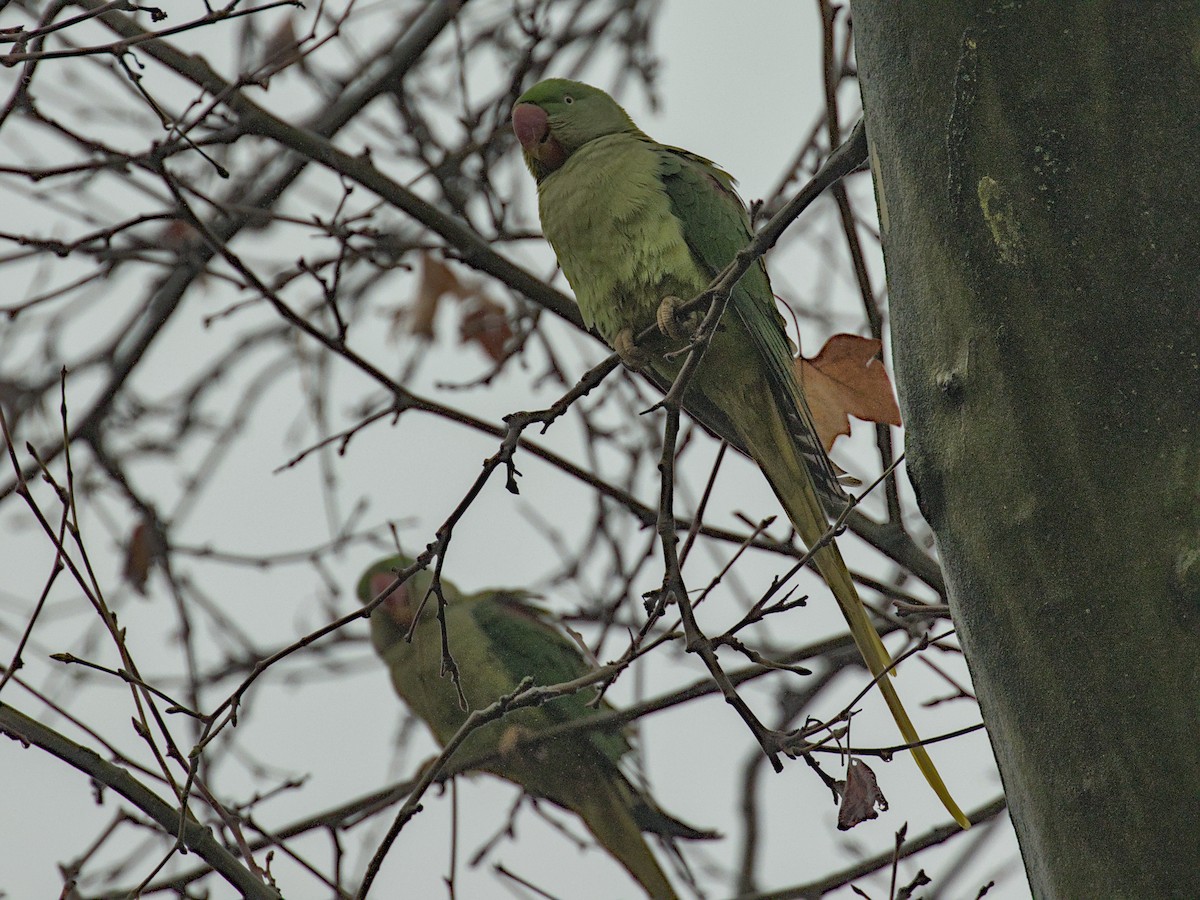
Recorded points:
568,99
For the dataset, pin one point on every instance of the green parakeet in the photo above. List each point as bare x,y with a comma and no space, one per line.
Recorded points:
632,222
497,638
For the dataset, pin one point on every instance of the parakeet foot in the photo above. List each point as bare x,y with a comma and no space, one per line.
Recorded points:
633,356
669,322
511,737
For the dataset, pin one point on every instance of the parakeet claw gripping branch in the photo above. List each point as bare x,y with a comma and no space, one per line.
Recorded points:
632,222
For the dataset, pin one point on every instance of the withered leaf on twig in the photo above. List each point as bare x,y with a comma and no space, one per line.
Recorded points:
847,378
436,281
282,48
141,552
483,321
861,797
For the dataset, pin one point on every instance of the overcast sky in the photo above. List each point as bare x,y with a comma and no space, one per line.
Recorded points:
739,84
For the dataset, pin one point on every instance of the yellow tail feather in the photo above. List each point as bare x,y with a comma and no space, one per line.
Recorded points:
794,486
607,815
833,569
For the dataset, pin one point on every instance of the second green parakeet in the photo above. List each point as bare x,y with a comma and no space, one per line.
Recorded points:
634,222
497,638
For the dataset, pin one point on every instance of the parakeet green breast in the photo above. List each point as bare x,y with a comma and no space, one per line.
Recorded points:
607,216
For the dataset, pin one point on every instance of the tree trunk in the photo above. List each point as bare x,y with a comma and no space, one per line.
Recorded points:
1038,176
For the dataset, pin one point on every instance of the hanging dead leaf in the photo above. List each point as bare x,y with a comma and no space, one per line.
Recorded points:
847,378
140,553
485,323
280,50
861,796
178,235
436,281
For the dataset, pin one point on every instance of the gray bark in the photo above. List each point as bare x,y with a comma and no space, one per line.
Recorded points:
1038,173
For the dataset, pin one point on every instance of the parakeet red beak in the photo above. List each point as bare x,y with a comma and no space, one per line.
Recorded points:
399,604
531,126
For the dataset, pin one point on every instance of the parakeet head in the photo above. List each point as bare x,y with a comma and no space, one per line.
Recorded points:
398,610
556,117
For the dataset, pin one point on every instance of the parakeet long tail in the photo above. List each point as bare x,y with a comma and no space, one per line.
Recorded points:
789,476
606,812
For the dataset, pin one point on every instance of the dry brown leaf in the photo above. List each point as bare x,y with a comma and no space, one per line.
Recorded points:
178,234
847,378
281,48
140,553
485,323
861,796
436,281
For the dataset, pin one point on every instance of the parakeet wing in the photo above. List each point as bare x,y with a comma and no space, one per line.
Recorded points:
716,227
523,637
